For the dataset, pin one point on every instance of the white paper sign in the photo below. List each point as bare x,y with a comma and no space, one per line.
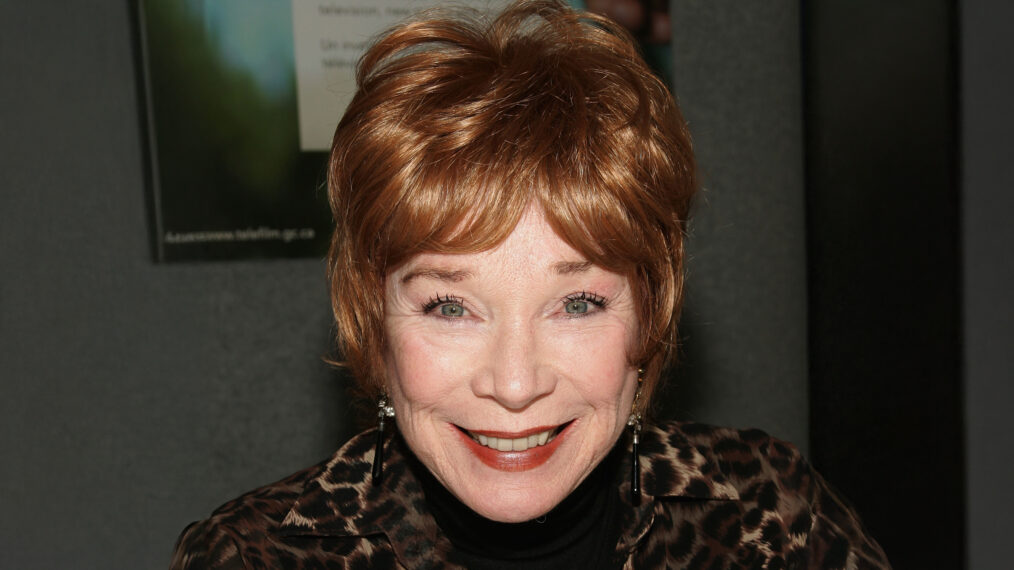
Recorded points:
330,36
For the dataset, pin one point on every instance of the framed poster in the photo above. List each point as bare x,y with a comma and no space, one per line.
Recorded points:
241,99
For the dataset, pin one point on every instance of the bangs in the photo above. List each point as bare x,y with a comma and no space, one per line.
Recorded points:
478,209
478,148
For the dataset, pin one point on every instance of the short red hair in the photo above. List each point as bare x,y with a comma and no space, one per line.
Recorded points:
460,123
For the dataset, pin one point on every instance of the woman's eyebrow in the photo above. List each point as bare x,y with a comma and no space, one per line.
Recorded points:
437,274
569,267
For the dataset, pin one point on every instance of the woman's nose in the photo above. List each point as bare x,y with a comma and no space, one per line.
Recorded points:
515,376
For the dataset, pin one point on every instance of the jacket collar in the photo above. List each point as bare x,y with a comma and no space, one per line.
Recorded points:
340,499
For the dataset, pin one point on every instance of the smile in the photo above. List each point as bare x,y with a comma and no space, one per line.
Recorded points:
522,443
515,451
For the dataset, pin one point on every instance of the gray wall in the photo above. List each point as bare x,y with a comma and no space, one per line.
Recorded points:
988,180
739,82
135,397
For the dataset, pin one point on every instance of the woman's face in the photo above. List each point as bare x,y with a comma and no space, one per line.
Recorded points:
507,368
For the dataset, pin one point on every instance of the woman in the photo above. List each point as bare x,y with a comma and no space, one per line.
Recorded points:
506,275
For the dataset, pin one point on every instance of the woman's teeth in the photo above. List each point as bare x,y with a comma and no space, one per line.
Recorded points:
517,444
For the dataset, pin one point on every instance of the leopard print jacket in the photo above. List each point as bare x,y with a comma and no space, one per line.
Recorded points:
711,498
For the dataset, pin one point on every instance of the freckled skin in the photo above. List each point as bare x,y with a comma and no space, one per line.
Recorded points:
502,340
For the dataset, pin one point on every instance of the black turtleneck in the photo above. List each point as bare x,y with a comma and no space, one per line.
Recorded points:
581,532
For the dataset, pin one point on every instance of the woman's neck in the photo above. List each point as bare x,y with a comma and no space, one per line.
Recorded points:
574,529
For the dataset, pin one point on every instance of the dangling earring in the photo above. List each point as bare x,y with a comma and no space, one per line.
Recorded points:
635,425
384,411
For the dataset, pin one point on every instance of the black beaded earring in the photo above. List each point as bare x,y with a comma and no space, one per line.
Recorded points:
635,425
384,411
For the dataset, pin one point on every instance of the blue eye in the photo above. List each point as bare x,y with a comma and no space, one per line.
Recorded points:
451,307
576,307
452,310
582,304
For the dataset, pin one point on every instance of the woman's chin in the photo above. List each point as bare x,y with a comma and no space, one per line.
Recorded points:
514,496
514,506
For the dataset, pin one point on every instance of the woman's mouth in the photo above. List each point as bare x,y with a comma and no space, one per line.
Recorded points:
522,443
518,451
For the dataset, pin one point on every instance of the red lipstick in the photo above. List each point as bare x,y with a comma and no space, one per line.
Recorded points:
514,461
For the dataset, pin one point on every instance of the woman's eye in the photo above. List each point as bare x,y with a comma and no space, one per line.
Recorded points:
576,307
452,310
447,306
582,304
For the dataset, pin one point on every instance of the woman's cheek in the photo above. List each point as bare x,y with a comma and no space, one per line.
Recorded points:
429,363
594,357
